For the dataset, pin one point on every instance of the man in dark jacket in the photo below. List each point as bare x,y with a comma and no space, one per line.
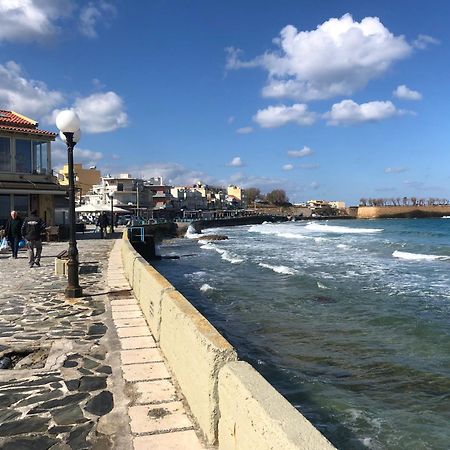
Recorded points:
102,223
32,230
14,232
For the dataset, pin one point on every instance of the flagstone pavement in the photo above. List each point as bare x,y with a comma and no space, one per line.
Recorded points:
88,373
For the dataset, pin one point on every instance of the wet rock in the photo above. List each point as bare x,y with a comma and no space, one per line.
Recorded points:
213,237
101,404
70,363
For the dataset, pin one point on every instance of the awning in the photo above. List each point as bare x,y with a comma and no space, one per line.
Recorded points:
30,187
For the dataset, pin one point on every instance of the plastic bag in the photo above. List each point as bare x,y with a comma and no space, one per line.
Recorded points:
3,244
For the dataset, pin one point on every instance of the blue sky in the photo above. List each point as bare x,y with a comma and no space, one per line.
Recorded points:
327,98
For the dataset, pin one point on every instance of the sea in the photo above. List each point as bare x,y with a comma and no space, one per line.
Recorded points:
347,319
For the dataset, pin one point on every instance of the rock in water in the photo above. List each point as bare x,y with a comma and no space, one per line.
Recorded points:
213,237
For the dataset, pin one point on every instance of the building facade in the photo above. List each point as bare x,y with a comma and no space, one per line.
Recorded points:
84,179
26,178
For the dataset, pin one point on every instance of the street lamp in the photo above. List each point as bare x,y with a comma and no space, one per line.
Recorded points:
111,197
69,125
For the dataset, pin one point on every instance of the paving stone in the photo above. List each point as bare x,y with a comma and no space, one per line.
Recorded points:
60,429
97,329
67,400
127,315
89,363
133,331
119,323
140,356
104,369
137,342
21,426
156,391
92,383
178,440
72,385
145,371
150,419
31,443
40,398
8,414
101,404
77,438
69,415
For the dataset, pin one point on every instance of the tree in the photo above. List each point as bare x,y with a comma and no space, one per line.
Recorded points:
277,197
252,194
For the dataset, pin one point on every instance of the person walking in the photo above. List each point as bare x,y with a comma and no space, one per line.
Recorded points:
102,223
13,232
32,230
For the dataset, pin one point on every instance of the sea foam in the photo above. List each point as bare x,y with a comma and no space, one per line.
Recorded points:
279,269
342,230
418,256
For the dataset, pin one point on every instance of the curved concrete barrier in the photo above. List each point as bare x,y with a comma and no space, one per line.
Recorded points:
232,403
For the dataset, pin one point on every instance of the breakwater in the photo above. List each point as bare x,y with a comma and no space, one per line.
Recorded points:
234,406
399,212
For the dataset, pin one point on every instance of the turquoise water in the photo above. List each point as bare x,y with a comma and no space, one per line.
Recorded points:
349,320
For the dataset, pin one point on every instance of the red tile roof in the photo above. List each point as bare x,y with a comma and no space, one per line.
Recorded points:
14,122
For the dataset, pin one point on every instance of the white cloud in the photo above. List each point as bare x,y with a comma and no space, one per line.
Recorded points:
395,169
41,20
288,167
277,116
348,112
305,151
80,155
101,112
236,162
93,14
244,130
423,41
405,93
28,20
314,185
337,58
26,96
264,183
172,173
231,120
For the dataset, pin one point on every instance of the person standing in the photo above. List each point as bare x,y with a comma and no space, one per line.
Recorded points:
102,223
14,232
32,230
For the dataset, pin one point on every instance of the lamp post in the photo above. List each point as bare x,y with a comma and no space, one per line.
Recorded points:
69,125
111,197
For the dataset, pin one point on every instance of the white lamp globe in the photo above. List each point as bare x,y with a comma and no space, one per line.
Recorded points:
67,121
76,136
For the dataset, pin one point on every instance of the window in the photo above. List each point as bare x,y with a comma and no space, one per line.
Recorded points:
5,154
21,205
40,155
23,156
4,209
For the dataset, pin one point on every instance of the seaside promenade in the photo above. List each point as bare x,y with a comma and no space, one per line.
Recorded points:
88,374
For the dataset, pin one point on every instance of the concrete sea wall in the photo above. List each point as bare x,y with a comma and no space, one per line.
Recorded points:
234,406
379,212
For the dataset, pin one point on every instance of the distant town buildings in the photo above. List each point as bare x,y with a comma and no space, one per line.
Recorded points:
85,179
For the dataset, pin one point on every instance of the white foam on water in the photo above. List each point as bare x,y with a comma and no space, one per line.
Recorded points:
206,287
324,228
191,233
321,286
342,246
279,269
224,254
446,217
418,256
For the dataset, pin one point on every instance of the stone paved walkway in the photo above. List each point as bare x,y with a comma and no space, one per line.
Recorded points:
83,381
